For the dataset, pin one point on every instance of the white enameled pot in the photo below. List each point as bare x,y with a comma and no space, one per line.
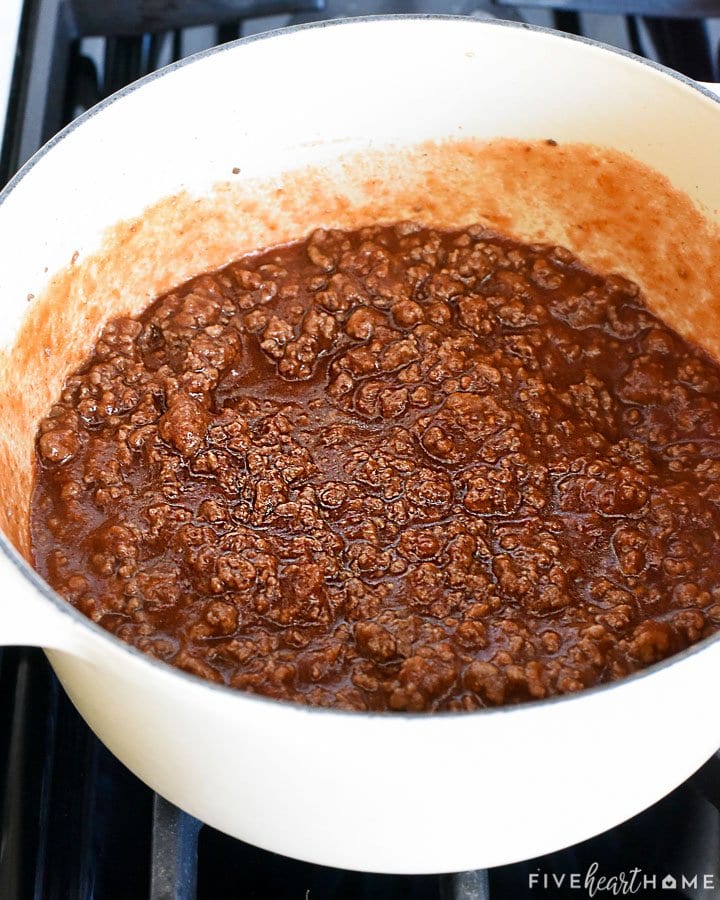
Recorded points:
385,793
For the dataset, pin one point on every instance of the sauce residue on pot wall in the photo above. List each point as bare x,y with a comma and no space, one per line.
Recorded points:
615,213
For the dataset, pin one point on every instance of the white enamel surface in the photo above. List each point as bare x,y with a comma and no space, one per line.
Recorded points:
26,618
402,794
379,793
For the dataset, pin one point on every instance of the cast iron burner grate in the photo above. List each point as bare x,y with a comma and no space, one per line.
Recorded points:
74,823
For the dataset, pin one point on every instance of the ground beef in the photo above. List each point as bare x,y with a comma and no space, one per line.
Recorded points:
395,468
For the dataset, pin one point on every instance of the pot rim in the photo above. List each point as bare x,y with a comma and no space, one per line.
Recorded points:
25,570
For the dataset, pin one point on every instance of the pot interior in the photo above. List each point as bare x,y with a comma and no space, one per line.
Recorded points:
618,189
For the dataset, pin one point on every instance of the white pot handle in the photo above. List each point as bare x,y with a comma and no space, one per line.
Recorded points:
27,618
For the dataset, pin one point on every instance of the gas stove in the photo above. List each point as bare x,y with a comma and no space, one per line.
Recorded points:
74,823
9,31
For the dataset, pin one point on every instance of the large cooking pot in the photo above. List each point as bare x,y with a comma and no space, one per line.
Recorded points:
255,143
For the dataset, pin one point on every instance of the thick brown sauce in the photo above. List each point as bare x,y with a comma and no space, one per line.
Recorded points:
394,468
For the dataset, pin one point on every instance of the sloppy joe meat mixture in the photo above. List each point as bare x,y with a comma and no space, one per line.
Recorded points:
390,469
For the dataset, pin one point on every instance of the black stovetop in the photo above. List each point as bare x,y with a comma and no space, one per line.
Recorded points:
74,823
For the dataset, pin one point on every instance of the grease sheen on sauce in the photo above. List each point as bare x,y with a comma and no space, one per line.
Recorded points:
395,468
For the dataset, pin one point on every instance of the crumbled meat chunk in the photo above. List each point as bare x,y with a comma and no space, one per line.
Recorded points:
183,425
59,445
